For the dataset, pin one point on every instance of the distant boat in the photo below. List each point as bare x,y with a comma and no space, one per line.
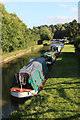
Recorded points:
51,55
59,43
30,78
53,51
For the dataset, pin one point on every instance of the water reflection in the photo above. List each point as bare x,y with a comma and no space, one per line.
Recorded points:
8,71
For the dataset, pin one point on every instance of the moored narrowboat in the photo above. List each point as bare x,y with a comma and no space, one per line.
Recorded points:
49,47
30,78
59,46
53,53
50,56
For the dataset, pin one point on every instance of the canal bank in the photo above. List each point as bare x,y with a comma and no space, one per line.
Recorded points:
59,98
8,71
5,58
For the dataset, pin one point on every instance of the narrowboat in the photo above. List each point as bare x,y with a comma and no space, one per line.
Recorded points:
62,45
30,78
53,53
59,46
50,56
53,48
50,47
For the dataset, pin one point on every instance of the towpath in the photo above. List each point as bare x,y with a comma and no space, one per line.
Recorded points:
8,59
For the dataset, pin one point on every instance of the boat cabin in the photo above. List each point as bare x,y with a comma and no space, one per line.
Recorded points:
50,56
30,77
33,73
49,48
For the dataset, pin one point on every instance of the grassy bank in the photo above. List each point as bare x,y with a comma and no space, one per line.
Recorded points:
9,54
60,97
6,57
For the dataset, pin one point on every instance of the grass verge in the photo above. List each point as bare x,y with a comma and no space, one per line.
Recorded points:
60,97
6,57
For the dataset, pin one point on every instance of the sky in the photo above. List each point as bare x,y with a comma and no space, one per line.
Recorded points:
43,13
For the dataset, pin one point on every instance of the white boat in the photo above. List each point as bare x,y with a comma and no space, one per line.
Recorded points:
18,93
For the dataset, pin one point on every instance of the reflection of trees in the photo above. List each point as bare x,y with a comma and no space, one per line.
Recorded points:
9,70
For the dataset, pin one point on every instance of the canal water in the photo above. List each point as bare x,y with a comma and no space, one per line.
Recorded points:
8,71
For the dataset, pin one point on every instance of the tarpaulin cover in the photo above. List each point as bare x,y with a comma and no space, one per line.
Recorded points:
34,72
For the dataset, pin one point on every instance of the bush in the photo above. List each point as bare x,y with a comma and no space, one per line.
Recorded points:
77,43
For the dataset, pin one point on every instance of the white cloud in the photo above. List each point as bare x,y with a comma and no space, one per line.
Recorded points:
60,19
74,10
63,5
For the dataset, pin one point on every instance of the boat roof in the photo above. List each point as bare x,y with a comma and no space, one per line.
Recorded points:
48,53
34,71
53,45
32,66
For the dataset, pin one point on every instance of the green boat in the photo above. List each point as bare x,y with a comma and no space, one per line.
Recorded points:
49,48
30,78
50,56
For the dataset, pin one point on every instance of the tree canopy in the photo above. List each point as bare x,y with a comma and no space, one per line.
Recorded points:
16,35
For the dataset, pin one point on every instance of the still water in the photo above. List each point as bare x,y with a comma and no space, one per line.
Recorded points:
8,71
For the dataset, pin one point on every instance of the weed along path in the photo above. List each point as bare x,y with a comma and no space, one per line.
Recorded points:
60,96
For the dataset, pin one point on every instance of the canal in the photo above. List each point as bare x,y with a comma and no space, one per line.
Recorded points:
8,71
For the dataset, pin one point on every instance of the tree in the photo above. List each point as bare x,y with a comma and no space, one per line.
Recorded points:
45,34
15,33
73,30
77,43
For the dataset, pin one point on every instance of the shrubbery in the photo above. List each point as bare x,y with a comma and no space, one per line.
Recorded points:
77,43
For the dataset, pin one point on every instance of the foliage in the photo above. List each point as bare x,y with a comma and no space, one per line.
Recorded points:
59,98
73,30
69,30
16,35
45,34
77,43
